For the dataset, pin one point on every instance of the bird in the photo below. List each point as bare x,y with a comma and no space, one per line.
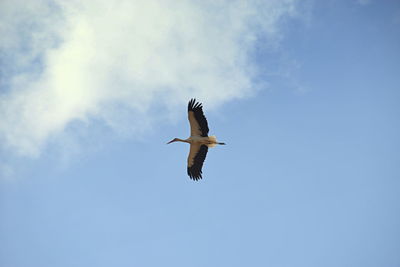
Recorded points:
199,140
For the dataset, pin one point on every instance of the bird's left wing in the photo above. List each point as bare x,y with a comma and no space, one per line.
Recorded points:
196,158
197,120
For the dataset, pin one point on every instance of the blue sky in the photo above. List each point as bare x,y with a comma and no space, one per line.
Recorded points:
310,175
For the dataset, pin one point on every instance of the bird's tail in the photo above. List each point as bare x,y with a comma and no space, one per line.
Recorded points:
213,139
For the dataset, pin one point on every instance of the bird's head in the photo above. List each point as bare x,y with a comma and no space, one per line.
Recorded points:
173,140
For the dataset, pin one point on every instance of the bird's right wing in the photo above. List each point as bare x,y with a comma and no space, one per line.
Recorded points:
197,120
196,158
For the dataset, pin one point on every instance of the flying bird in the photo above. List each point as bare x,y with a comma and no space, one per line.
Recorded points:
199,140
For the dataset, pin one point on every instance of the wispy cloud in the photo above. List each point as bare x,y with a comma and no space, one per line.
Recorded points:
6,172
77,61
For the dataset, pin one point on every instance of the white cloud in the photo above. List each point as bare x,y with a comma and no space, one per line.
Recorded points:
74,61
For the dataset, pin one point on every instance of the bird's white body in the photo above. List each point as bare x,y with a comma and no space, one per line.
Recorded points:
210,141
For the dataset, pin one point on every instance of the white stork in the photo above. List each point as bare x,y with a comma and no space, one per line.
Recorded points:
199,140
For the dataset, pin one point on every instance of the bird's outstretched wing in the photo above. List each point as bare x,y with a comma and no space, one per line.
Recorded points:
196,158
197,120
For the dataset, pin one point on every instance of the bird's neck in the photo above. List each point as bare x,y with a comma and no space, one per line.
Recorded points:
182,140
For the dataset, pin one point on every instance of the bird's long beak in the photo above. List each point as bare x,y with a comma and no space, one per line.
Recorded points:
171,141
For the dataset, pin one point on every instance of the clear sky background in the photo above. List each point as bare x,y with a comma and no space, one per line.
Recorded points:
305,94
